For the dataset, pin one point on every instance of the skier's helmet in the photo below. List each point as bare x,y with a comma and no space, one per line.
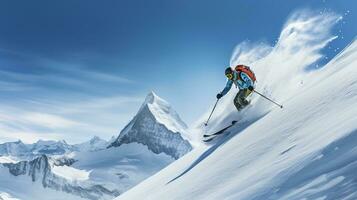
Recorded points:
229,73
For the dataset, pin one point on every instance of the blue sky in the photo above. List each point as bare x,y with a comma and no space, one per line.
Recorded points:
74,69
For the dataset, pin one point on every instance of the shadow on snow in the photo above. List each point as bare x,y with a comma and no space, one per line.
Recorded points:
237,128
331,175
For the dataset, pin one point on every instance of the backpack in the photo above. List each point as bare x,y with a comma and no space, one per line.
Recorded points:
247,70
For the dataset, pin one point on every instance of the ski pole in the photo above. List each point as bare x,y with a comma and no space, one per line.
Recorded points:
281,106
211,112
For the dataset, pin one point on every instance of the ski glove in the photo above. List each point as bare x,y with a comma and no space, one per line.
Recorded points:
219,95
251,88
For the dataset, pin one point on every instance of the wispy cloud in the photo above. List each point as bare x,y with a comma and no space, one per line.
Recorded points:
83,72
14,87
49,120
67,78
50,76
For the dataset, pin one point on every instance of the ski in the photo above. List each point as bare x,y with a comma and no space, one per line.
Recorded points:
209,137
220,131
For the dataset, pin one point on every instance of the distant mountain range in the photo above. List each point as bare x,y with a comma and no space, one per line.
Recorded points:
49,147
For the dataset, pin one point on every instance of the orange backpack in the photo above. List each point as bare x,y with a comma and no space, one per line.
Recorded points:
247,70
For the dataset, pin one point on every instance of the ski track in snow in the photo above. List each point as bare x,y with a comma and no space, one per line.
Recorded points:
305,151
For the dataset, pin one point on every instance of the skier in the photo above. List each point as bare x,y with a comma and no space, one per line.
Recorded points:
243,78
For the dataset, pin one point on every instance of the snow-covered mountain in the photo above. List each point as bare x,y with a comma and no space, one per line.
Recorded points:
100,174
157,126
51,147
23,151
94,144
17,148
42,170
307,150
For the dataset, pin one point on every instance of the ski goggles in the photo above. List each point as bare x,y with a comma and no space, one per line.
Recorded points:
229,76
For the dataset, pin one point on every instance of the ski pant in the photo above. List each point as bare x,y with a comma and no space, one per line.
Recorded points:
240,101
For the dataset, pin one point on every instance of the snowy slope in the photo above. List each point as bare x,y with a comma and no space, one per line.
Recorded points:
6,196
121,167
305,151
8,159
157,126
21,188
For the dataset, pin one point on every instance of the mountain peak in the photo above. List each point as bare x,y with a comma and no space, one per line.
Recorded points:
94,144
19,142
163,113
158,126
152,98
95,138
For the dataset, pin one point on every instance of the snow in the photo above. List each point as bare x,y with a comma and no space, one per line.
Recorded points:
16,151
317,185
51,147
7,159
6,196
164,113
29,151
305,151
158,135
94,144
71,173
23,189
121,167
13,148
114,169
